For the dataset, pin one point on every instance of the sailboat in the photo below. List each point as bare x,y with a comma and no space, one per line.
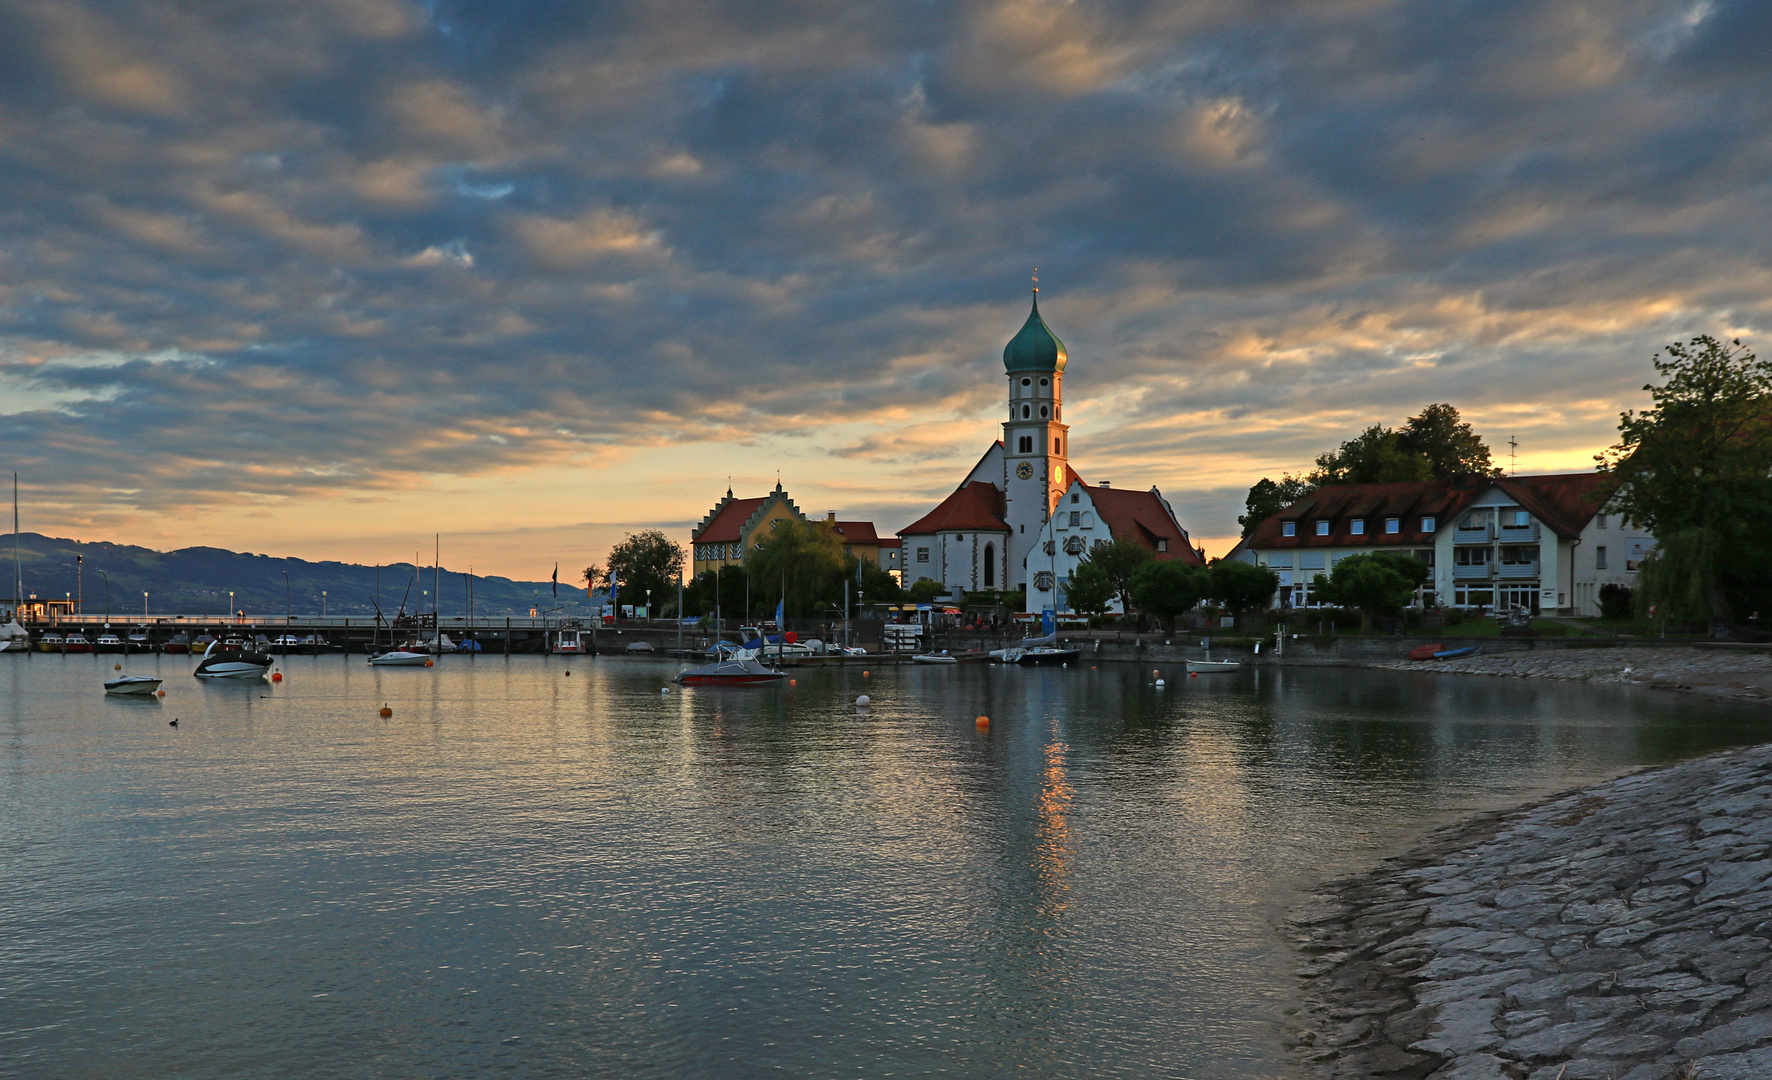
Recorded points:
13,637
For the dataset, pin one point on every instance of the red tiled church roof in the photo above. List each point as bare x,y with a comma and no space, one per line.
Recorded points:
974,507
1143,516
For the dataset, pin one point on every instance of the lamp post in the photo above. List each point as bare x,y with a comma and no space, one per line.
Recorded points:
285,598
230,605
322,603
107,578
144,608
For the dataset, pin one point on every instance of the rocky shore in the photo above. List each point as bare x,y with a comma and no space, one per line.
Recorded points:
1718,672
1623,932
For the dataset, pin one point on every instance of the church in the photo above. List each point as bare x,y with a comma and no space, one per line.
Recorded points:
1022,517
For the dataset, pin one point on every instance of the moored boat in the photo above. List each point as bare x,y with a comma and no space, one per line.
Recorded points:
224,662
132,685
741,670
934,658
14,638
178,643
1425,652
109,643
77,642
569,641
401,658
50,642
1453,654
1204,666
1047,654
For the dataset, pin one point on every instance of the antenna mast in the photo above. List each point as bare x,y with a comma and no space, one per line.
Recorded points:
1513,445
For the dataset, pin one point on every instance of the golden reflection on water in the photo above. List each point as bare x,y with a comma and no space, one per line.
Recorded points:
1052,837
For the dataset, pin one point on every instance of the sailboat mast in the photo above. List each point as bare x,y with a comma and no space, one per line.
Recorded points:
18,587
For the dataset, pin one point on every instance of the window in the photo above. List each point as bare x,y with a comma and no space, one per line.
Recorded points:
1427,524
1025,444
1523,555
1074,496
1515,519
1026,411
1357,526
1471,556
990,566
1027,382
1393,526
1162,544
1043,412
959,536
1600,557
922,554
1599,521
1076,517
1322,528
1288,528
1042,382
1055,448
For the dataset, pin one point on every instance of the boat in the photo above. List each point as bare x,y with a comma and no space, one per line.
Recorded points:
77,643
134,685
139,640
1453,654
14,638
640,646
1047,654
402,657
741,670
568,641
934,658
1204,666
286,643
1425,652
230,661
51,642
178,643
109,643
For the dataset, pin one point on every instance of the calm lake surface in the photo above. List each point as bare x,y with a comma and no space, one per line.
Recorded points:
538,874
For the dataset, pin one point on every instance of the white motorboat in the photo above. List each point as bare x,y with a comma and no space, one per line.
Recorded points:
1203,666
109,643
401,658
232,662
569,641
14,638
934,658
134,685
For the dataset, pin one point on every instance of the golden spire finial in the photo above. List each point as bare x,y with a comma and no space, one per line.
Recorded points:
1036,279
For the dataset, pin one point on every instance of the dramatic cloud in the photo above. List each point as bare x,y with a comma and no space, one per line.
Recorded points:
268,268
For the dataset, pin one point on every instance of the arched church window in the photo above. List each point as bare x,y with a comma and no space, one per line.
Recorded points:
1025,411
1025,445
1055,448
990,566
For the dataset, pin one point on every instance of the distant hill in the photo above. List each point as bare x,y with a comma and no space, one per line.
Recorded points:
196,581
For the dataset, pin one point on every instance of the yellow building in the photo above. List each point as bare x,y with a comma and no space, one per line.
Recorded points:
735,527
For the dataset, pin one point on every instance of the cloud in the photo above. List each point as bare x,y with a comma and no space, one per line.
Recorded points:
416,246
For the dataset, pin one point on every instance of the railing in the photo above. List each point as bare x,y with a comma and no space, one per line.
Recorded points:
1482,535
1479,571
1520,534
1515,571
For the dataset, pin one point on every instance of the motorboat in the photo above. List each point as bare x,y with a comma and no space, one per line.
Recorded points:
109,643
132,685
740,670
286,643
51,642
569,641
139,640
77,642
220,661
402,657
1047,654
178,643
1201,667
941,657
641,646
14,638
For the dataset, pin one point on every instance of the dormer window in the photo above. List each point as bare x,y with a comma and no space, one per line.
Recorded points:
1393,526
1162,544
1288,528
1427,524
1322,528
1357,526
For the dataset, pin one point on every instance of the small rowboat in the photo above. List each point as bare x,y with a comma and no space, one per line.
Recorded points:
1204,666
1453,654
1425,652
132,684
934,658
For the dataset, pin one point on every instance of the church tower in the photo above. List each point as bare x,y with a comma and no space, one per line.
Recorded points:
1036,440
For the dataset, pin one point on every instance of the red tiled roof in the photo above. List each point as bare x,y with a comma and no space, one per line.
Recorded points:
1562,501
857,532
1143,516
891,542
723,529
975,507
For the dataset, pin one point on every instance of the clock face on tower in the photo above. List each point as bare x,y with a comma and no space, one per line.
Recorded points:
1058,474
1025,470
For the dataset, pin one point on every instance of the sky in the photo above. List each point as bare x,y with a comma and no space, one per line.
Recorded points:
326,278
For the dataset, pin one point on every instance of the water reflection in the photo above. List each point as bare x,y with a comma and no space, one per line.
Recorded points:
726,883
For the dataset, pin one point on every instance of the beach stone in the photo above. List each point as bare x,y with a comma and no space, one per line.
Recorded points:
1553,1041
1474,1067
1745,1031
1752,1065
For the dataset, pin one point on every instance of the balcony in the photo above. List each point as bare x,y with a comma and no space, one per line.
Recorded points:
1480,571
1518,571
1481,535
1520,534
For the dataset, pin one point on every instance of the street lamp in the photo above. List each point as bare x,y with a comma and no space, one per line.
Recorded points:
144,607
107,578
230,605
285,597
322,603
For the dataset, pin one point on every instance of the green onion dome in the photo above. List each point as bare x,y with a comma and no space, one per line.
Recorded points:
1034,347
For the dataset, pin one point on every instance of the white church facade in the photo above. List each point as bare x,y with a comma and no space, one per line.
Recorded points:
997,530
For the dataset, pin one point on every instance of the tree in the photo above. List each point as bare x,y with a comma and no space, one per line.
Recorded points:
1615,601
1700,459
1269,497
1090,589
645,563
803,556
1119,558
1378,583
1436,445
1240,585
1166,589
877,584
1679,578
925,590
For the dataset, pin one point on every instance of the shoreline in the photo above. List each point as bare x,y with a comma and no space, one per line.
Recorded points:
1621,931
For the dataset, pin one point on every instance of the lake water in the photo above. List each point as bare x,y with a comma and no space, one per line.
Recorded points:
538,874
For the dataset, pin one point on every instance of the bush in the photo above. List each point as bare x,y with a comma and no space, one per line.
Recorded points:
1615,602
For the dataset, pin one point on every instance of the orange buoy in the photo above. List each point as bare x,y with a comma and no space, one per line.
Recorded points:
276,676
864,674
793,682
569,674
116,667
160,693
427,663
1193,674
982,723
386,712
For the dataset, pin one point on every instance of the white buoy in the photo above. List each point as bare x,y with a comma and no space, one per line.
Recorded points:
1160,682
864,700
664,689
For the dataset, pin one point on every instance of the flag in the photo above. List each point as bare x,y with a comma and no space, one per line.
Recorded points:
556,581
778,604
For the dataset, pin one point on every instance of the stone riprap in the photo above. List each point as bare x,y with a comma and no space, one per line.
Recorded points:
1623,932
1723,672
